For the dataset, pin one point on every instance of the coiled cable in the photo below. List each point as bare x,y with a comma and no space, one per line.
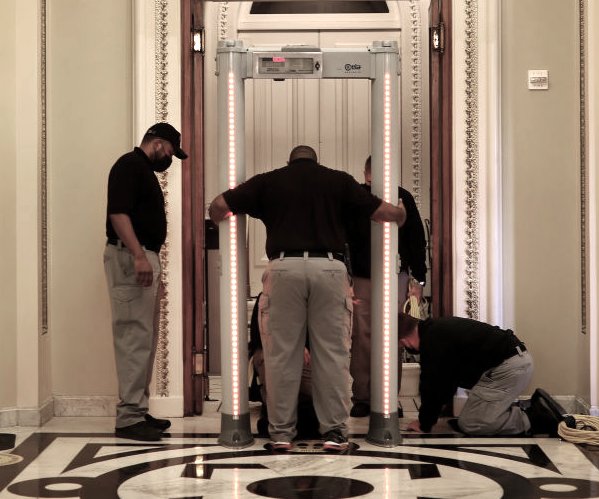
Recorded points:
579,429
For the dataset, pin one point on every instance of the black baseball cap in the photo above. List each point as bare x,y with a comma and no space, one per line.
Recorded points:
168,132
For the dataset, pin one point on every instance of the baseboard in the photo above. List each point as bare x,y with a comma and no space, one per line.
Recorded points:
84,406
167,407
8,417
580,406
34,416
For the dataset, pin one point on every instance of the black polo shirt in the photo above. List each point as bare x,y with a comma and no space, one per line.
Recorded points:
134,190
455,352
303,205
412,243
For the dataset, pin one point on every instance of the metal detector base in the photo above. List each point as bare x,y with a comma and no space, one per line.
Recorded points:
235,433
384,431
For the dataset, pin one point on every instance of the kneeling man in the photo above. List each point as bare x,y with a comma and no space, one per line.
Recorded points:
492,363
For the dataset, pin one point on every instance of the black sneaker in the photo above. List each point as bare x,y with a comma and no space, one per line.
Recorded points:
139,431
360,410
281,445
334,440
159,424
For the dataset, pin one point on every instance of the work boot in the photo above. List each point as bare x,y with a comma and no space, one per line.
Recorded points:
143,431
159,424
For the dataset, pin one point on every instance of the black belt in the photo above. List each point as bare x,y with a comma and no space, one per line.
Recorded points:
311,254
117,242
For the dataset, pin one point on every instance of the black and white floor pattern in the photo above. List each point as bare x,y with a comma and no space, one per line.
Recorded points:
80,457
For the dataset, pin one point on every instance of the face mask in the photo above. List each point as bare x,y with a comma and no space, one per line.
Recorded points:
162,164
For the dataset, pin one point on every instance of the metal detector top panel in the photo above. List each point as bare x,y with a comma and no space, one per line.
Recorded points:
275,65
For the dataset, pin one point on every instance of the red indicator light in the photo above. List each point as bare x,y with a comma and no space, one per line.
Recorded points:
278,59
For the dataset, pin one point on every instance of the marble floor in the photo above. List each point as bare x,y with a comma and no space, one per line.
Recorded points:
80,457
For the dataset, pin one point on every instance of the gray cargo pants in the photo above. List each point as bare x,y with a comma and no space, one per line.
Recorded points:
302,294
134,328
489,409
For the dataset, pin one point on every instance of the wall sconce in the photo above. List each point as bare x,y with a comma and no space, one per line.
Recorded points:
198,40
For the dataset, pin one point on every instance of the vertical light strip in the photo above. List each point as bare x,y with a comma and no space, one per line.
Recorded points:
231,181
387,481
236,492
387,257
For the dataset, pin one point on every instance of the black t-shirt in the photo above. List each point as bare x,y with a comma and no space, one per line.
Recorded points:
412,243
303,205
455,352
134,190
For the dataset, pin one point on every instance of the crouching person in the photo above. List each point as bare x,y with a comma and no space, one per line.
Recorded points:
492,363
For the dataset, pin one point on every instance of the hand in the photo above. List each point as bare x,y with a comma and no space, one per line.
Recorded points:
402,213
144,273
415,426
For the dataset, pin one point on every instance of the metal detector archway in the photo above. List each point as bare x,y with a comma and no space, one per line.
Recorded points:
378,63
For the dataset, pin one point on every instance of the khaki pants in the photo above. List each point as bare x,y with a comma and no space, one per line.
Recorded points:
361,337
302,295
134,328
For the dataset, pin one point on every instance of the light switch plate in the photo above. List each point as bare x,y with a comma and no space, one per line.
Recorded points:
538,79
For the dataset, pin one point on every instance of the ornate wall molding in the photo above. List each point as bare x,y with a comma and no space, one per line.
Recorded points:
472,255
223,20
583,165
43,172
416,87
161,113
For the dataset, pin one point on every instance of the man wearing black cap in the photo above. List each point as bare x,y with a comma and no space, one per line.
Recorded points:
136,230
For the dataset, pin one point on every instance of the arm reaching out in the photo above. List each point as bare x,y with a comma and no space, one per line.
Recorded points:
386,212
219,209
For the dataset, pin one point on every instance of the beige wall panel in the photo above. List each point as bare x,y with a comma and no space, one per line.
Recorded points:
542,190
590,348
8,284
89,126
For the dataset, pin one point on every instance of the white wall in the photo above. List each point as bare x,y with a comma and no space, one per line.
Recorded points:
8,276
542,189
90,123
